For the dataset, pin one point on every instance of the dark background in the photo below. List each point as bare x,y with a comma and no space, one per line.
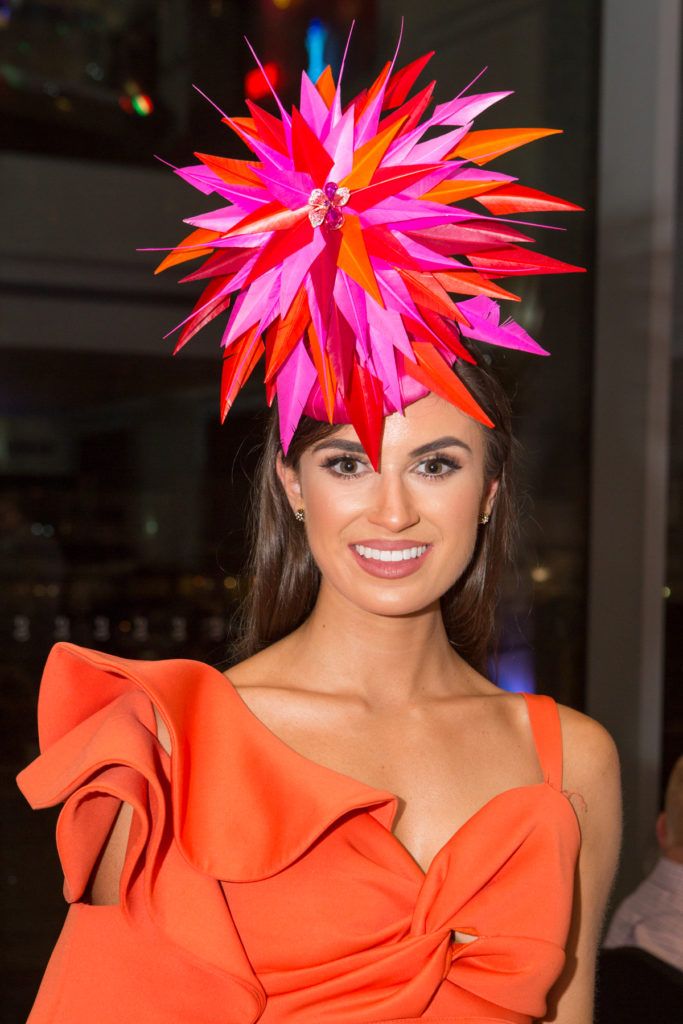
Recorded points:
122,498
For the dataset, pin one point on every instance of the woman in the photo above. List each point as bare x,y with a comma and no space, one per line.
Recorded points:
353,824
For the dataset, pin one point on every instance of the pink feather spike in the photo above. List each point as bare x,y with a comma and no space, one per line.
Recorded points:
368,124
257,300
292,188
384,364
466,108
222,219
350,300
296,267
286,123
484,317
436,149
312,105
335,113
340,144
267,154
294,382
389,325
200,177
394,292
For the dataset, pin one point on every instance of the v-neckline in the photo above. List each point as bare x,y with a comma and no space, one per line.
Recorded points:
378,795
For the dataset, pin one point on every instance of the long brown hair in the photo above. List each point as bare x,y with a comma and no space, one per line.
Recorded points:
283,578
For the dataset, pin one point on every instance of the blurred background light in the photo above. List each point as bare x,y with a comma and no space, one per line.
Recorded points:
256,81
316,37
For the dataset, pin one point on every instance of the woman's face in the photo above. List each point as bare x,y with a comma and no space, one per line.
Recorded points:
428,496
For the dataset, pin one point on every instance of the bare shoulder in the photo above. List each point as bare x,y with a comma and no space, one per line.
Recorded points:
592,777
263,670
590,752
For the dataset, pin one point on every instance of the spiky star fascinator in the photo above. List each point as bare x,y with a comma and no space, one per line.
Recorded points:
342,241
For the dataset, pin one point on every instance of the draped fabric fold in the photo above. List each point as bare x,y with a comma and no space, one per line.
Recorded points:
259,885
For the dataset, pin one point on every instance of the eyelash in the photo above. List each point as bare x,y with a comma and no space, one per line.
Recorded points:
334,460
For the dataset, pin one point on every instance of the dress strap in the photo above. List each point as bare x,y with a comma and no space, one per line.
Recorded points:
544,718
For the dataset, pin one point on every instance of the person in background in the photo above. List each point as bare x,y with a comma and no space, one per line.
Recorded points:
651,917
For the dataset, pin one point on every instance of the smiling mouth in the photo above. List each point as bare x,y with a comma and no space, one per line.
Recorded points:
395,555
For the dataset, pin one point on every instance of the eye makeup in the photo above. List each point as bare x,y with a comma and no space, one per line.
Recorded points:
437,457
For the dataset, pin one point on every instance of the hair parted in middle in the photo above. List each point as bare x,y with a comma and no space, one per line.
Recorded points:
284,578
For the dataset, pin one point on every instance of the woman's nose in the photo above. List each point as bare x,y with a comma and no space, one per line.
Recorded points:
393,506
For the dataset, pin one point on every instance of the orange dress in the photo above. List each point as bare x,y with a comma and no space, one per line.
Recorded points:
261,886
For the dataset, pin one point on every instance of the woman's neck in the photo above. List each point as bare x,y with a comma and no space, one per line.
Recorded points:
347,648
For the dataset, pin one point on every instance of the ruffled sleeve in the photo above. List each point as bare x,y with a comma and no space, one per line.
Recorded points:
169,949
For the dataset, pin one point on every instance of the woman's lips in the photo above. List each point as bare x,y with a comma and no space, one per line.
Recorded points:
389,570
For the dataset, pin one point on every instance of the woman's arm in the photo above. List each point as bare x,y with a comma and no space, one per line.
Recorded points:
592,782
103,889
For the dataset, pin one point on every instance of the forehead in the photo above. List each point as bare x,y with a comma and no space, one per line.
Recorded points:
422,422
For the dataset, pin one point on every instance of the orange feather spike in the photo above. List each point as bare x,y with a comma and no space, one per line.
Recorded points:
326,377
482,146
190,248
435,373
353,257
325,86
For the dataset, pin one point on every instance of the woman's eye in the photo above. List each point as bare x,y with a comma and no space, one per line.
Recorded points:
439,467
341,465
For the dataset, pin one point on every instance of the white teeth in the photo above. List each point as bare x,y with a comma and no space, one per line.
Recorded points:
390,556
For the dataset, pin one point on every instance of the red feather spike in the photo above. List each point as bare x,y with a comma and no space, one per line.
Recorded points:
271,391
426,292
388,183
513,261
469,282
269,217
269,128
289,331
340,345
238,363
308,151
281,245
448,334
208,306
371,92
383,244
519,199
402,81
365,407
412,110
223,262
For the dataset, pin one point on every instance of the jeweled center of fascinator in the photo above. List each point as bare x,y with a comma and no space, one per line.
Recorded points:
324,205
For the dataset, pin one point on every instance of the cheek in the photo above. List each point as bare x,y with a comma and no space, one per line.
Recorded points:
331,506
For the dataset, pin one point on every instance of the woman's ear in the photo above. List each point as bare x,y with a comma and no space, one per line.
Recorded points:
490,496
289,478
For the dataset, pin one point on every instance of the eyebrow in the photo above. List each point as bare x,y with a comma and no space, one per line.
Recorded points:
423,449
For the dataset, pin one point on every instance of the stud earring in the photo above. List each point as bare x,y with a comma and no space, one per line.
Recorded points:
299,515
484,518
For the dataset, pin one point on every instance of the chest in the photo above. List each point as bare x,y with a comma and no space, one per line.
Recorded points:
443,762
